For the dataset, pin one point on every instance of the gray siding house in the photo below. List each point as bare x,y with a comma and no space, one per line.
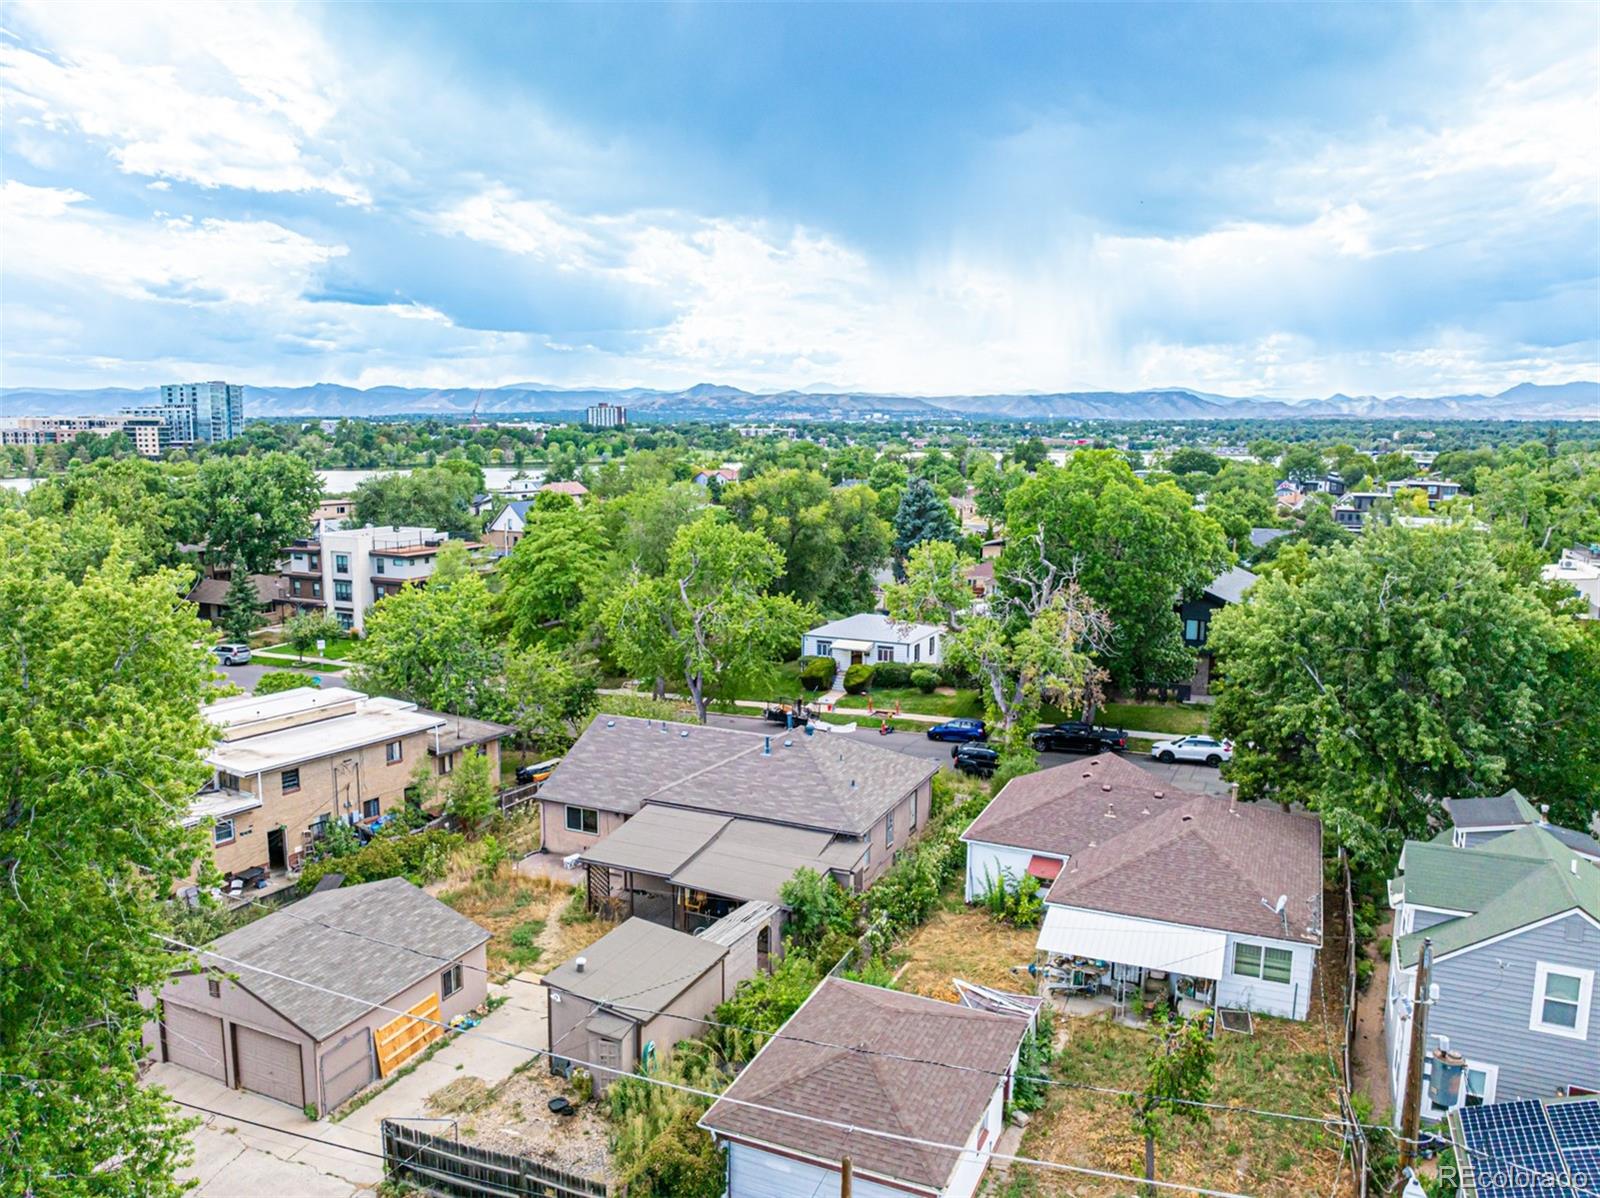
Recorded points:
1515,927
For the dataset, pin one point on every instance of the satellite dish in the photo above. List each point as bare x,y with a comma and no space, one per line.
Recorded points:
1283,901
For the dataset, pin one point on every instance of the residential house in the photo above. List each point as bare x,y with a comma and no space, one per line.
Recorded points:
904,1072
345,571
1514,923
726,475
993,548
726,817
457,734
407,963
1437,490
210,595
1210,900
1196,612
506,529
871,637
288,765
1478,821
980,577
1353,508
575,490
337,508
1579,568
639,989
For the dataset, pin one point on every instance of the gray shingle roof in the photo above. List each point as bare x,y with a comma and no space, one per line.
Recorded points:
1230,585
371,941
1492,811
827,781
918,1098
640,966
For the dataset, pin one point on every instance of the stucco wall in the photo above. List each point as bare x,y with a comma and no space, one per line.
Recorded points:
557,839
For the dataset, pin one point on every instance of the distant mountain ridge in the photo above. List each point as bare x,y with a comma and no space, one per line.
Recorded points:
711,401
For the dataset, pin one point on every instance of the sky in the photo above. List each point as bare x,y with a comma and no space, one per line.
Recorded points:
1294,200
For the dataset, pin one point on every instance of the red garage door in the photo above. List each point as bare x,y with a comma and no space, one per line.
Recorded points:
193,1039
269,1065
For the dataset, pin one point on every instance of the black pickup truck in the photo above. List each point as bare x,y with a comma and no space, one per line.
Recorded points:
1078,738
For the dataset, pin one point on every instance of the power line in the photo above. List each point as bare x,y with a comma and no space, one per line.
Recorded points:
849,1129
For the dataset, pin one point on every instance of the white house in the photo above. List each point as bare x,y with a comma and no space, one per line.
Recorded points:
1580,570
1149,885
871,637
899,1068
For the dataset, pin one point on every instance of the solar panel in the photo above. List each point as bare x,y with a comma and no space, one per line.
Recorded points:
1512,1151
1576,1124
1583,1169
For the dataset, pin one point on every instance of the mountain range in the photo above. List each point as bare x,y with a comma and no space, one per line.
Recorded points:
709,401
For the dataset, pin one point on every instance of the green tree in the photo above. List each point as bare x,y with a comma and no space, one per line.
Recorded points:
433,644
1402,668
1302,463
101,683
1177,1076
435,497
545,578
274,681
248,508
923,515
301,633
1133,547
1189,460
1030,454
550,696
151,505
709,622
469,791
241,613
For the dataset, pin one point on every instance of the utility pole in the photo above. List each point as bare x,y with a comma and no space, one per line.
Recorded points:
846,1175
1411,1101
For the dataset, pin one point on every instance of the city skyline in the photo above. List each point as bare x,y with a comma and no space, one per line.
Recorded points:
1277,202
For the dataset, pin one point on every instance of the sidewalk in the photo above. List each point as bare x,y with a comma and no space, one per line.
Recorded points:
272,657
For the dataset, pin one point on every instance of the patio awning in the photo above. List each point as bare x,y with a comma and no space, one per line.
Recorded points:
1044,868
1101,936
853,646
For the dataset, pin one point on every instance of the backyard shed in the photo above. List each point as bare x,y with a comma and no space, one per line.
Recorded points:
258,1015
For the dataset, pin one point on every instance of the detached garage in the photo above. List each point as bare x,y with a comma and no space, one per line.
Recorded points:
258,1015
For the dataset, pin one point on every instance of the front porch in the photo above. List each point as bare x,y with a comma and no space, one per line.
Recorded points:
1093,962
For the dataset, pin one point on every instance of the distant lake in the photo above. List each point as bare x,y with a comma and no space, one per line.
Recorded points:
342,482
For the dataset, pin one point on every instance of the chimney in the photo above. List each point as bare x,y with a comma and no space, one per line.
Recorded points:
579,963
1544,815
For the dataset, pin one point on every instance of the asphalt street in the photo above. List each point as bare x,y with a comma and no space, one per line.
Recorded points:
246,677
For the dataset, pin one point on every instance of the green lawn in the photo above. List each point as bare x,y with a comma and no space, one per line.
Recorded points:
962,703
339,649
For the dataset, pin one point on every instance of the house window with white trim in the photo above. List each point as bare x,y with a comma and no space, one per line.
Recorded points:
824,648
392,752
888,830
450,980
1261,961
1561,998
885,652
583,819
223,832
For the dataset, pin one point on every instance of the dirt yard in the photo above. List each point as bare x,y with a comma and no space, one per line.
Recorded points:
966,944
515,1117
534,923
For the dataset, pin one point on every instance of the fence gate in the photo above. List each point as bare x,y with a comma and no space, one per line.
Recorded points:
406,1035
347,1067
446,1166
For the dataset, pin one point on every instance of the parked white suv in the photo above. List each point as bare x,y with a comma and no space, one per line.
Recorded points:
232,655
1206,749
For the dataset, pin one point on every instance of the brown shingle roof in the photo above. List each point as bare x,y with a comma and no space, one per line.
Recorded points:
827,781
917,1098
1205,863
1047,812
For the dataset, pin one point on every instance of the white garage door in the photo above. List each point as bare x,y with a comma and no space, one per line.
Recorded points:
269,1065
193,1039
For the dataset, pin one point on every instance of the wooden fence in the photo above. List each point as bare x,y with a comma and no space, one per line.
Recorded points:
450,1167
397,1041
1359,1144
517,797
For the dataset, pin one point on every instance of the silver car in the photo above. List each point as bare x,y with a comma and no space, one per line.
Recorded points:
232,655
1206,749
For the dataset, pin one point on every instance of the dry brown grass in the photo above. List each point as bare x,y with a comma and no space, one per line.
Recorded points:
516,910
966,944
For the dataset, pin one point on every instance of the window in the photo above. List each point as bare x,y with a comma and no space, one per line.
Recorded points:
1561,995
291,781
1259,961
316,590
888,830
346,620
1194,632
369,808
583,819
916,652
399,563
450,980
341,563
228,781
341,590
824,648
223,832
885,652
213,987
447,763
377,564
391,752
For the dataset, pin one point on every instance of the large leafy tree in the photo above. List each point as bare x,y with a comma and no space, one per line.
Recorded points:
549,572
1133,548
1398,670
101,682
432,644
550,696
436,497
248,508
149,506
708,621
923,515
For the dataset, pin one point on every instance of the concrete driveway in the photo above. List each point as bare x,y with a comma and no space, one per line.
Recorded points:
250,1145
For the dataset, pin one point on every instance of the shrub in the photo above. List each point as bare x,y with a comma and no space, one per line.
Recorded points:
893,673
1015,900
924,680
817,673
494,856
817,906
419,858
274,681
857,679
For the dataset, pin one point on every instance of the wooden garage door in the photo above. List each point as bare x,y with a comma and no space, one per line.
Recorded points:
269,1065
193,1040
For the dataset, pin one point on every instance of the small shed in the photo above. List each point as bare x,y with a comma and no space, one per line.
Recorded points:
630,997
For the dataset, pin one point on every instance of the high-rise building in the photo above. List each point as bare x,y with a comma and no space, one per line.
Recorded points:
606,415
144,432
196,412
